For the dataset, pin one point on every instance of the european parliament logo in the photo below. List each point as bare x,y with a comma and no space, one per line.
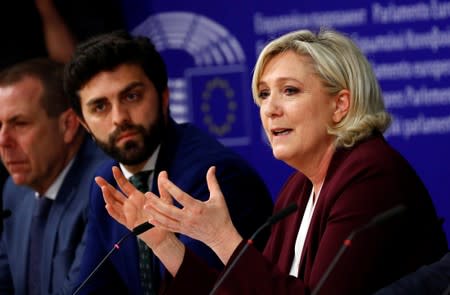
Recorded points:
213,92
219,105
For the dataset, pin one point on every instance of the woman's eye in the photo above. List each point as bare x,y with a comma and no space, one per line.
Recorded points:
291,90
263,94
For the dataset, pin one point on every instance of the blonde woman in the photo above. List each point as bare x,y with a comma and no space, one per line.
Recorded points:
323,113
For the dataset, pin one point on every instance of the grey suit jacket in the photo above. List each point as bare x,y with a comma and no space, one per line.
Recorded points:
65,231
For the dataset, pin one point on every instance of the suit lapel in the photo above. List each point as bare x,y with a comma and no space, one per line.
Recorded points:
66,192
316,228
20,246
55,217
285,232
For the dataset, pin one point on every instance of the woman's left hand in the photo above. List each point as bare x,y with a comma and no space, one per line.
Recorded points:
207,221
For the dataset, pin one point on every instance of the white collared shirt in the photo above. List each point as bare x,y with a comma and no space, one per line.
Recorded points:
150,165
52,191
302,232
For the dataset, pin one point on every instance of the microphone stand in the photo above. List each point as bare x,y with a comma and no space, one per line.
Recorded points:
380,218
135,232
236,259
273,219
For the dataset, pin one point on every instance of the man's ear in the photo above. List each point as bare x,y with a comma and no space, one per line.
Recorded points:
69,125
342,105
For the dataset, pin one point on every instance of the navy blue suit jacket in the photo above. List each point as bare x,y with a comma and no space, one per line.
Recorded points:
186,154
433,279
64,234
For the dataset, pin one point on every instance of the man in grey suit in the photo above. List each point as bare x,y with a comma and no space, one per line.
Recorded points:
51,163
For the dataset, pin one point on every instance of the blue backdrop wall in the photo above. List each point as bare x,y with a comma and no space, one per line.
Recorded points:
210,48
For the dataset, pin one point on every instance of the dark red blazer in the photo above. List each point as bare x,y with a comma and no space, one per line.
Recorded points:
361,182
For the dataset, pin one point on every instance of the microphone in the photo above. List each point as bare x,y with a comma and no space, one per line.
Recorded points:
141,228
375,221
135,231
271,220
5,214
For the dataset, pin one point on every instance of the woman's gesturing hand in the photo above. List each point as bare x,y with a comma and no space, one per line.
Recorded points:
207,221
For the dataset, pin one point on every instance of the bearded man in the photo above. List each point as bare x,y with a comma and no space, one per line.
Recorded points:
117,84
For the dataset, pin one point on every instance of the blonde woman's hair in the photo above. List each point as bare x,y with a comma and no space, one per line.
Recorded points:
339,64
